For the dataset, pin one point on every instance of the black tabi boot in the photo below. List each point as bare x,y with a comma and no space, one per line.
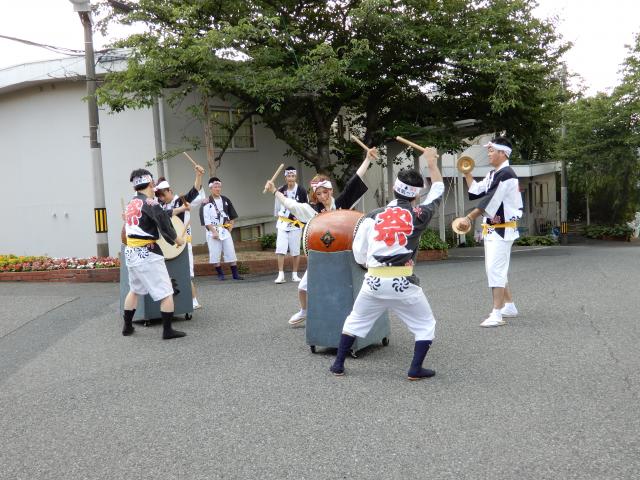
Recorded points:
346,342
128,329
234,272
416,372
220,273
167,332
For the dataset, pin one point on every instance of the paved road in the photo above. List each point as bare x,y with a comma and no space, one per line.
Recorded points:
553,395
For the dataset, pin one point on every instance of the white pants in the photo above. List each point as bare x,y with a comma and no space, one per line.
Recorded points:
497,254
190,250
147,273
288,241
217,247
405,299
303,282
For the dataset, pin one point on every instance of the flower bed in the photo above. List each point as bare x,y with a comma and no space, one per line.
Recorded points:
13,263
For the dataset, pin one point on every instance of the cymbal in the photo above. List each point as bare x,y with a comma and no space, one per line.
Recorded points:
458,226
465,164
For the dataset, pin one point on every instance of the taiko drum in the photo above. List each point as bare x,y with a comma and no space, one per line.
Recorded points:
331,231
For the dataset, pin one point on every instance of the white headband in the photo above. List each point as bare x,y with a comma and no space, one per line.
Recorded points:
142,180
162,185
215,184
497,146
289,172
321,183
406,190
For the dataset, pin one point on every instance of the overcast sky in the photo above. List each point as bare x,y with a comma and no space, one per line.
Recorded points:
599,30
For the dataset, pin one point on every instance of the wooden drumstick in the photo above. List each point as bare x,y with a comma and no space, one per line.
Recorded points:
122,204
359,142
275,175
190,159
410,143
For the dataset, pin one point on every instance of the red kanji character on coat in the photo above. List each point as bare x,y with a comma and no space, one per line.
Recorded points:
134,211
393,225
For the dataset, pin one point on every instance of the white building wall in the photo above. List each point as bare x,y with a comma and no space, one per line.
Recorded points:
46,169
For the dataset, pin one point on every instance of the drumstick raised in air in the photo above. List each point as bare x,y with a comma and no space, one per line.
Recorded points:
410,143
359,142
190,159
275,175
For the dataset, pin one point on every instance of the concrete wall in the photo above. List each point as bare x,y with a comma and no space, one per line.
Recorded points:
46,169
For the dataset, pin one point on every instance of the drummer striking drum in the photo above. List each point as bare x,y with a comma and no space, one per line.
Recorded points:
322,201
387,242
145,221
173,203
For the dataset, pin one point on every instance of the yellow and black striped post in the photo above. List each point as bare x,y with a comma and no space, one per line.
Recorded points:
101,220
564,228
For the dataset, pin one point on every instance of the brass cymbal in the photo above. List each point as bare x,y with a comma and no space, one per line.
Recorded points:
465,164
458,226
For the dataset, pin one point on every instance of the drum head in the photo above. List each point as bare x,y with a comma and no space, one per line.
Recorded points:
172,251
331,231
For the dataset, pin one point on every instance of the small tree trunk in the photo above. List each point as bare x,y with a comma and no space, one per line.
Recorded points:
588,211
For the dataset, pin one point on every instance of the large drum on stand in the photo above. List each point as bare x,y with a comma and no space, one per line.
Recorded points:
177,261
334,280
331,231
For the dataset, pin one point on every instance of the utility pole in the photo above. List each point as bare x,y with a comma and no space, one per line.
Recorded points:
564,182
83,7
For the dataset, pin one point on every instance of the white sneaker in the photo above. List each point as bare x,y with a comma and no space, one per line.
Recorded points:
298,318
196,305
295,277
509,310
493,321
280,278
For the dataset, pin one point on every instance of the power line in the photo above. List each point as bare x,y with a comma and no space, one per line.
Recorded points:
52,48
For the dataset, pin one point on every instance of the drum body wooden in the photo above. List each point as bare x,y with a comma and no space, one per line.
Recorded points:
331,231
172,251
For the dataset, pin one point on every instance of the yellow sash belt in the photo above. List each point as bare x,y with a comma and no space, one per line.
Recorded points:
296,222
390,272
139,242
485,226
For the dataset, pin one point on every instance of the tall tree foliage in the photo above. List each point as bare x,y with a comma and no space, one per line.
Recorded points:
602,148
409,67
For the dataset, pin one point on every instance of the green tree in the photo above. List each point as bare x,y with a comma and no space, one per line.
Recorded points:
601,148
396,67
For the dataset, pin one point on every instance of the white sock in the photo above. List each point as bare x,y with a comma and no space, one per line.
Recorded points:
506,304
303,311
497,312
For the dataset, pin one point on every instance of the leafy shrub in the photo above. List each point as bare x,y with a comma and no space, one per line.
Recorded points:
268,241
611,231
533,240
430,240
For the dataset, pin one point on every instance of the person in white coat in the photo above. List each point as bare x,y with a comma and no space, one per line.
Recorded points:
501,206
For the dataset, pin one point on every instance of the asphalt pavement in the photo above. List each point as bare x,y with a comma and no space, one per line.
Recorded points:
552,395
